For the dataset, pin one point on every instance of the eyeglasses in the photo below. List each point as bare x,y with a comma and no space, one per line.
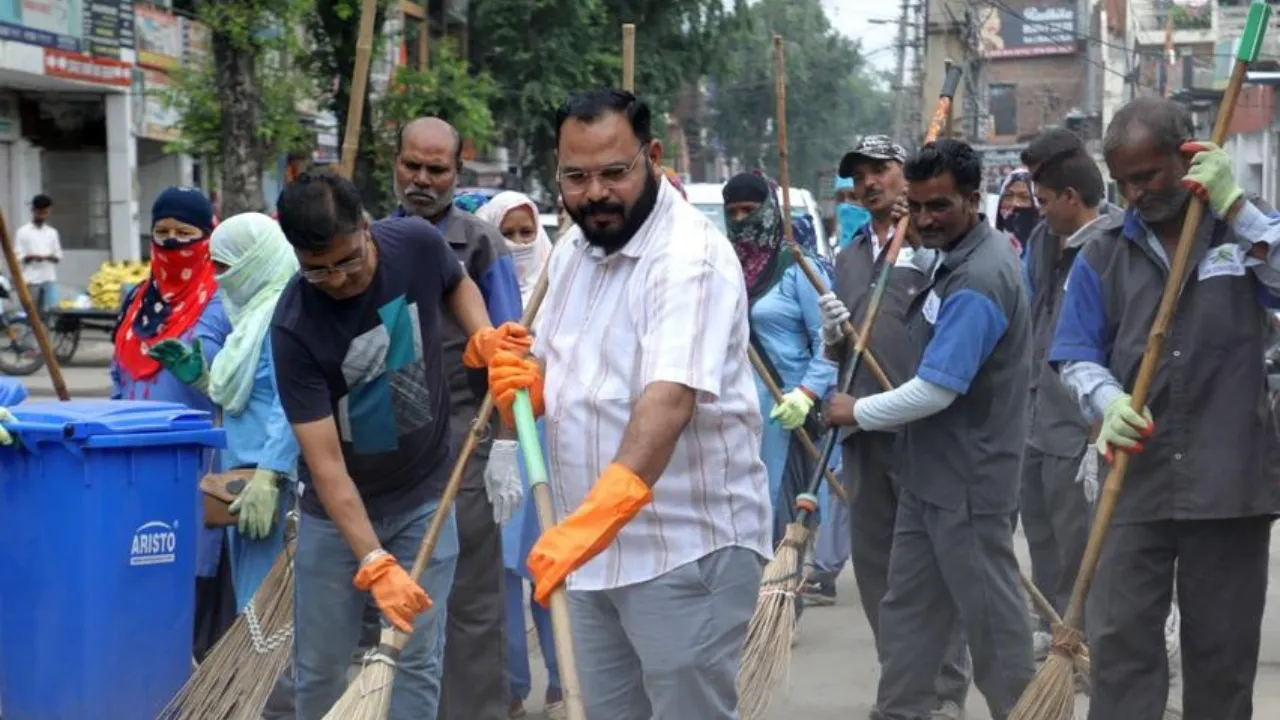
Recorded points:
315,276
576,182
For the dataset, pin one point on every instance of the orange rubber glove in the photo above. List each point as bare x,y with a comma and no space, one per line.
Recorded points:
398,597
509,374
615,498
511,337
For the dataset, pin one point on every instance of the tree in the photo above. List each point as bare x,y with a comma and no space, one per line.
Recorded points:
832,94
538,51
240,110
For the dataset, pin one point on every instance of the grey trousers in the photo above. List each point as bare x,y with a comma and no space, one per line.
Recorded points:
1221,582
870,472
1055,517
475,657
952,567
668,648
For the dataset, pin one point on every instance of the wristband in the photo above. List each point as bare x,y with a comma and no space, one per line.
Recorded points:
374,555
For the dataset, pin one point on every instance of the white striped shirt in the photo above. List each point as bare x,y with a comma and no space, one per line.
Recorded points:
669,306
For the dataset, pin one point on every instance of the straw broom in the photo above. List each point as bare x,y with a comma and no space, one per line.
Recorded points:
239,673
1051,694
766,655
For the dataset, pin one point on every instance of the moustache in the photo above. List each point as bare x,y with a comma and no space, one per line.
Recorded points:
425,197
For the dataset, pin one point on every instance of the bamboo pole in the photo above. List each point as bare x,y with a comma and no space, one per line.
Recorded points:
33,313
629,57
359,84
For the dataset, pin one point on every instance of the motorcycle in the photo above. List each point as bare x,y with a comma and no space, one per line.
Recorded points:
19,354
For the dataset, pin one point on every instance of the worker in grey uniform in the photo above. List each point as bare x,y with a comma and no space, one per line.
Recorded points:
474,685
871,459
1202,487
964,420
1055,513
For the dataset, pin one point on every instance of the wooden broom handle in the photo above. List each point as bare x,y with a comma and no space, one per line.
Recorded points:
1150,360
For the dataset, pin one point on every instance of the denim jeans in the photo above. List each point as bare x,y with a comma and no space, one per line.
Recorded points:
45,295
328,610
517,639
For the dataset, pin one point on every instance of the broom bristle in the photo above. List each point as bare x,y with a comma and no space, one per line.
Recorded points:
368,697
240,671
766,653
1051,695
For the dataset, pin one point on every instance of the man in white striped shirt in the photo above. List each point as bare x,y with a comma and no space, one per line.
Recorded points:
653,428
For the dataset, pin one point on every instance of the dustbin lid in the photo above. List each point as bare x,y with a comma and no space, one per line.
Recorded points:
87,418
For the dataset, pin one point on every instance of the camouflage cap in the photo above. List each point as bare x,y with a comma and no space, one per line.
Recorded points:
872,147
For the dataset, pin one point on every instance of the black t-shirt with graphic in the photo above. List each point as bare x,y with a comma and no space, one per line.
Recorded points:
372,363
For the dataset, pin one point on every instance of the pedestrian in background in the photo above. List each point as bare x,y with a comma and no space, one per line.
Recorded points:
39,250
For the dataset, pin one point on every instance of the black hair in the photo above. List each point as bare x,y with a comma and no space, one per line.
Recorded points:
318,206
1075,170
1051,144
1167,122
591,105
457,140
949,156
41,202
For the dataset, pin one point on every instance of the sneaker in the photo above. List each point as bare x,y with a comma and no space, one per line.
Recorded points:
1041,642
821,593
516,708
948,710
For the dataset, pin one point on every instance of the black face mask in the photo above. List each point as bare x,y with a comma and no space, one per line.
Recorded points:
1019,222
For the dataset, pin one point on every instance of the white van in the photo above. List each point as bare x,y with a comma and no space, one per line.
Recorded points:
709,198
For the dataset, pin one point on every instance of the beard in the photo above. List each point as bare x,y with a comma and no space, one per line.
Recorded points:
425,203
1156,209
614,238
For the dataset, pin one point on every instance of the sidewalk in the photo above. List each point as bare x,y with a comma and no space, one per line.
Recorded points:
87,377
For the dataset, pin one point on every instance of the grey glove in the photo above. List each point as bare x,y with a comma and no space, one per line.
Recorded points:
1087,475
834,315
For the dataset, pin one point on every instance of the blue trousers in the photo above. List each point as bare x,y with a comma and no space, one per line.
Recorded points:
518,674
328,610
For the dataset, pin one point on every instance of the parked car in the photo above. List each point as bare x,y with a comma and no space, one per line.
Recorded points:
709,198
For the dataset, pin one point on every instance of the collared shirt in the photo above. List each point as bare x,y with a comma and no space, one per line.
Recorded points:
670,306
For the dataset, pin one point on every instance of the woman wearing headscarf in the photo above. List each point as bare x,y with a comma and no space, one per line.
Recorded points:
1019,212
516,217
179,301
253,263
786,329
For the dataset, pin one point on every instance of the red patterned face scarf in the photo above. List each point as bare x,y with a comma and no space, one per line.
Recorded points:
180,287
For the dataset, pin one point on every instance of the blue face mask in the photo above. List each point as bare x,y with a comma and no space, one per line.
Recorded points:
851,218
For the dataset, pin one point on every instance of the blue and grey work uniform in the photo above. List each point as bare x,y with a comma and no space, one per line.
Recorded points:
872,458
1055,514
476,625
952,560
1206,485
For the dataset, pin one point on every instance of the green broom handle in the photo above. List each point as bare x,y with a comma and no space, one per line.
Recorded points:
535,464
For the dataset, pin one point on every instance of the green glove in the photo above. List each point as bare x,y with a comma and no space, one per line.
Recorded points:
794,408
1211,176
185,362
5,416
256,505
1123,428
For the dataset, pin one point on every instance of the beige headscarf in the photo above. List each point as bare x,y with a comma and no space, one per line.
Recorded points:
530,258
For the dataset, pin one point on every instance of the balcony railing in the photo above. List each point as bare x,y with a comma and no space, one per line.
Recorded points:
1192,22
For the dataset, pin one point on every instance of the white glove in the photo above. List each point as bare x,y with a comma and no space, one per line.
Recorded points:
1087,475
502,479
834,314
5,416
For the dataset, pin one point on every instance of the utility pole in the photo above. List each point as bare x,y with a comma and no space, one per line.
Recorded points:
899,94
975,128
919,23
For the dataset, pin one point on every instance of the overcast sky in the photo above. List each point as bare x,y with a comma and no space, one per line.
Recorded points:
850,18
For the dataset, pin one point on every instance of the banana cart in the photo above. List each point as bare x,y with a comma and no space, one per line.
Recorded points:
68,324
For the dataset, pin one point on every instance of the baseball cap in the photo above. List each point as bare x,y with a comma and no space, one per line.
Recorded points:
872,147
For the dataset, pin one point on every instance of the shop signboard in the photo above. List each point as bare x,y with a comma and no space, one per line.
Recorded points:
48,23
159,118
197,43
1034,30
75,66
159,38
108,29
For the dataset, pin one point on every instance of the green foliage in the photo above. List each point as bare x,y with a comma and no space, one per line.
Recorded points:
832,94
447,89
247,26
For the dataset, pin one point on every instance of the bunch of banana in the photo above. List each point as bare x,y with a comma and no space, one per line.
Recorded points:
106,286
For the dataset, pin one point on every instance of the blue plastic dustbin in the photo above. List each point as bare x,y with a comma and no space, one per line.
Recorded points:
97,557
